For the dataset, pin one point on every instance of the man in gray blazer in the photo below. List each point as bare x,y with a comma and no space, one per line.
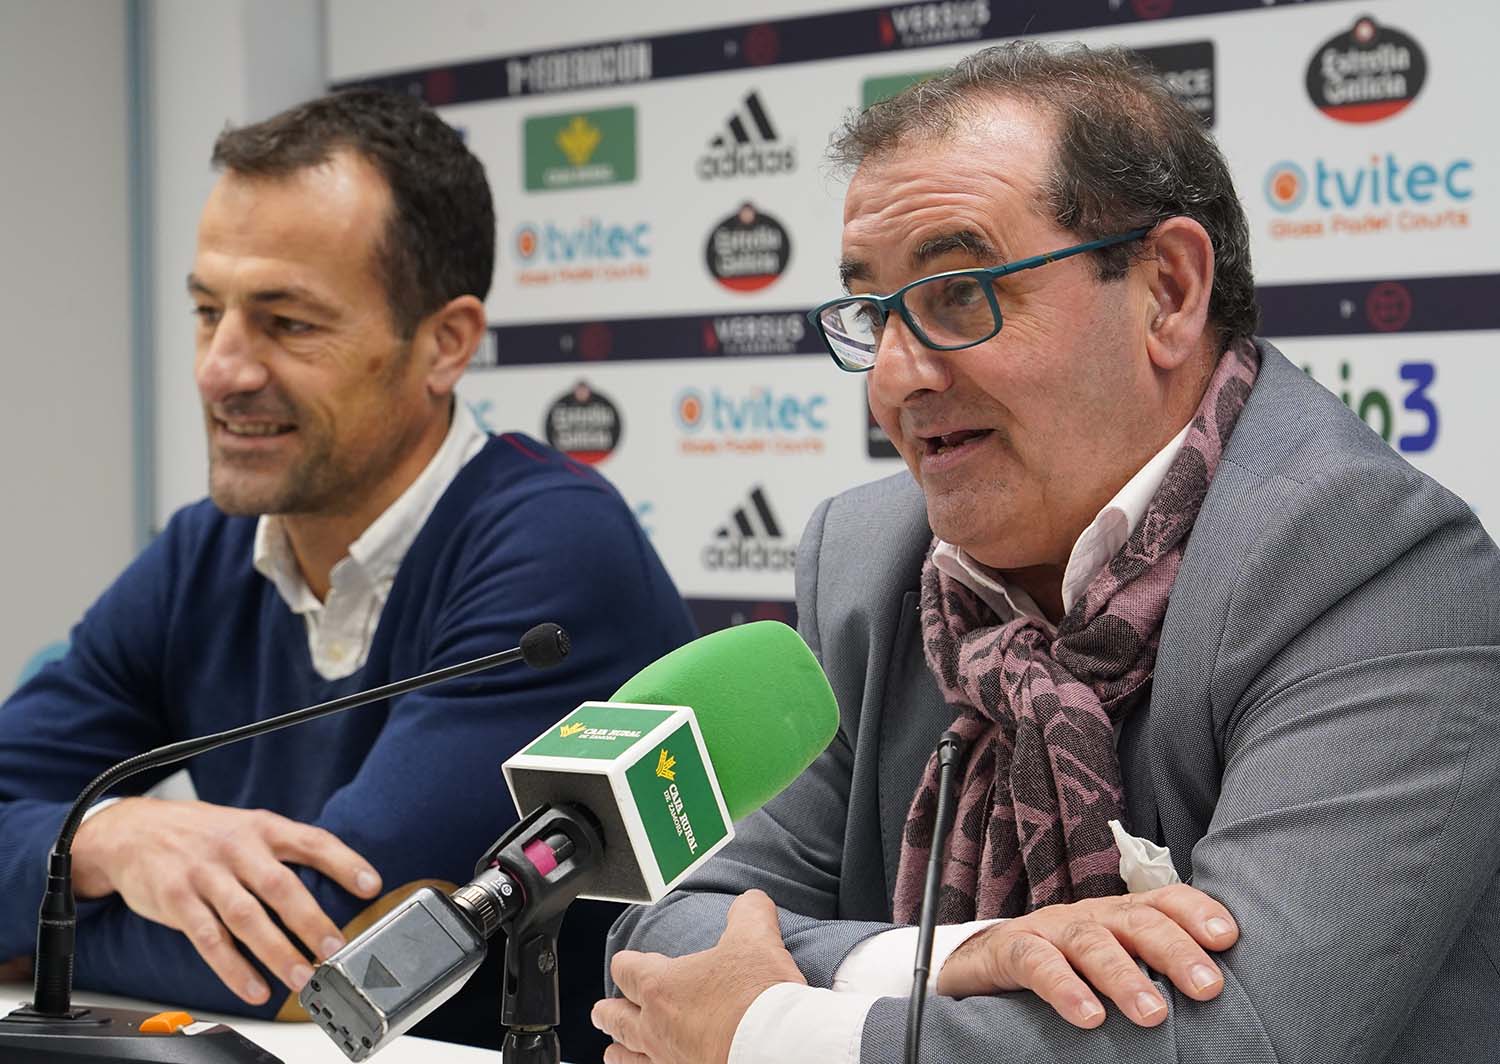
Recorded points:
1152,573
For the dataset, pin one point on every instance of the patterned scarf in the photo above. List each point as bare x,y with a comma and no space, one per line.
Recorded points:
1038,713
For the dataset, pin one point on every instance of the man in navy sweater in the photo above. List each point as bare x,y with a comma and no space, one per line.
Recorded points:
361,528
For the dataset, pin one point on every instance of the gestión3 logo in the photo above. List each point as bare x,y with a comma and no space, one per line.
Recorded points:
751,540
748,146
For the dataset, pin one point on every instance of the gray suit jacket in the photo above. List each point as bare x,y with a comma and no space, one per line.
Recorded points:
1321,751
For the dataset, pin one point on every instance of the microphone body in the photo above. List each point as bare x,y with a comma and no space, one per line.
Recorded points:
623,800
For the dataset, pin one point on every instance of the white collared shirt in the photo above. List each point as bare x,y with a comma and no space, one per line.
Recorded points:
340,628
790,1022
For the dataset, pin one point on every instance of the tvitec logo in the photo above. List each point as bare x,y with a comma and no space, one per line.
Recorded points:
1383,195
716,421
594,250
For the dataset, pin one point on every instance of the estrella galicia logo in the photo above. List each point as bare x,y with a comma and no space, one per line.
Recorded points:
584,425
748,250
580,149
748,146
1366,74
751,540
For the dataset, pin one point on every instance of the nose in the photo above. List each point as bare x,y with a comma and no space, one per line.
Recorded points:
905,367
228,363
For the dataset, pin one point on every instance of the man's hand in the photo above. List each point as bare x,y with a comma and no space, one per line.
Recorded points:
211,872
1047,952
685,1011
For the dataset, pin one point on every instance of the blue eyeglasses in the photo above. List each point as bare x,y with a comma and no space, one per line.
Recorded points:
946,312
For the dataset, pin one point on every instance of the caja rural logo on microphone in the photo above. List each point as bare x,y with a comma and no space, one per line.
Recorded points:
751,540
1367,73
584,424
748,250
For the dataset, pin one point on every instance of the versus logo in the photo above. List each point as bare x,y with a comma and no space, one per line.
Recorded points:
1367,74
750,541
754,334
580,149
919,25
1390,195
579,68
748,250
584,424
664,766
717,422
594,250
748,147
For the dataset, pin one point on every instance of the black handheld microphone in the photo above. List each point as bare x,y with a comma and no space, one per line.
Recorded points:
950,751
50,1029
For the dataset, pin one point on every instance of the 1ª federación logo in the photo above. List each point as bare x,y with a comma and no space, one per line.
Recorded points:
580,149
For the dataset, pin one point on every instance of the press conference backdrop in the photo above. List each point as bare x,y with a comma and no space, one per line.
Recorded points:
666,217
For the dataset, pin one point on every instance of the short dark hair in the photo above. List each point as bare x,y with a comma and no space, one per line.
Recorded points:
439,242
1128,153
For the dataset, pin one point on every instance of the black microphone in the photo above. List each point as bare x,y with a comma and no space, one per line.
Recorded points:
50,1029
950,751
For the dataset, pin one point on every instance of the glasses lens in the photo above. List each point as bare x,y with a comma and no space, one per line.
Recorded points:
953,311
853,331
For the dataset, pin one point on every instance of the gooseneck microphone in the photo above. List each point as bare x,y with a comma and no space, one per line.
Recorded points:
618,804
50,1028
950,751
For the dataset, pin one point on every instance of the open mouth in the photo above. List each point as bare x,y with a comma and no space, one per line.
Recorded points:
950,441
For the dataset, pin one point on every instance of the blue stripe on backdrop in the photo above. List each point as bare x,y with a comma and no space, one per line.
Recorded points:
1460,303
864,31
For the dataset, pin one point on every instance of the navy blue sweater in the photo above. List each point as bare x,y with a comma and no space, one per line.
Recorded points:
191,640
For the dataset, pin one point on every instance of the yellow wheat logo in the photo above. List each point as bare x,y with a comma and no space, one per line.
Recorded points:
664,765
571,729
578,140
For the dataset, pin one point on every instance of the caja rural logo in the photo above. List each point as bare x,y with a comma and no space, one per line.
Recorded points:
1381,195
1367,73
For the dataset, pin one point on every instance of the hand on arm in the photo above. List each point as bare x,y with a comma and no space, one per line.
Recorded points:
685,1010
1058,951
213,873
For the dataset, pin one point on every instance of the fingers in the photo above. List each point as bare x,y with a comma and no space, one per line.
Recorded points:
632,972
280,888
1096,954
752,916
1039,966
618,1054
324,851
621,1020
1201,916
212,941
1166,945
242,914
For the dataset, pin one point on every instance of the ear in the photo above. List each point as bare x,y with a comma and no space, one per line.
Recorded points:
1179,281
449,336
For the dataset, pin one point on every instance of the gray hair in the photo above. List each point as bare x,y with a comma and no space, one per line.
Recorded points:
1128,154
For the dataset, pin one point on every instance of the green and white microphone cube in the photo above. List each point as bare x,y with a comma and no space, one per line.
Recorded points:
644,773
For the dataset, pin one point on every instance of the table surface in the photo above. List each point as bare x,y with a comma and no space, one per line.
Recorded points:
294,1043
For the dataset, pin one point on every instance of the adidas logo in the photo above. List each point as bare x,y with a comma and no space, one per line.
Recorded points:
748,146
751,540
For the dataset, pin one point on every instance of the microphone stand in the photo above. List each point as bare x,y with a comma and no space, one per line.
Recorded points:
949,752
50,1029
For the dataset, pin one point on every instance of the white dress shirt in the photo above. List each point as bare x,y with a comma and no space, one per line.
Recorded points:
791,1022
340,628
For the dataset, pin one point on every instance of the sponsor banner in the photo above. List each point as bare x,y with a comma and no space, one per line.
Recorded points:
580,149
584,424
768,332
589,250
755,45
748,146
748,250
1410,304
1366,74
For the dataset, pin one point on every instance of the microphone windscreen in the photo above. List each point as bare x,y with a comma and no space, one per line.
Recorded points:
762,702
544,645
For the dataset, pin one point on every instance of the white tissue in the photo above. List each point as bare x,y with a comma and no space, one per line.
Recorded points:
1143,864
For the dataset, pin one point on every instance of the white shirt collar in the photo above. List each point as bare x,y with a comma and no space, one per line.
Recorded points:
339,630
1100,542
